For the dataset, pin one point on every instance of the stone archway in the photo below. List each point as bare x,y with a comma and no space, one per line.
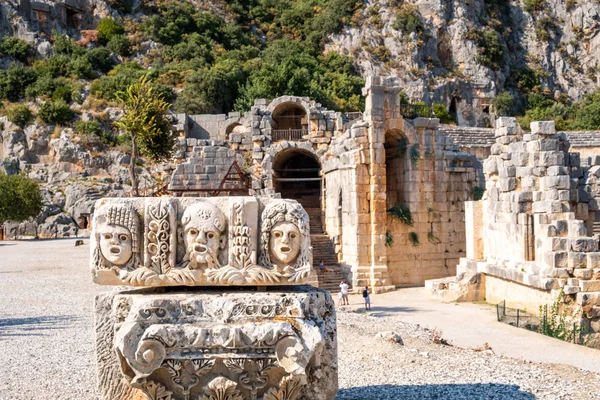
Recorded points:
297,175
289,119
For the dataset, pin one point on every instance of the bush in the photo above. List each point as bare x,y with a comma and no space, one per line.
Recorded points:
55,112
81,68
15,47
15,80
532,6
119,44
88,128
20,115
66,46
54,66
46,86
408,20
503,104
440,112
108,28
100,59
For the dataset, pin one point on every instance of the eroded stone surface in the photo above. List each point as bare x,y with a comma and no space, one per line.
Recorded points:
275,345
200,242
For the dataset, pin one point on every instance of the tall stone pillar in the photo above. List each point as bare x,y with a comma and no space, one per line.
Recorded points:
377,90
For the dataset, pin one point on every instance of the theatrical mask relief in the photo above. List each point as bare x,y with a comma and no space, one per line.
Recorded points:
200,242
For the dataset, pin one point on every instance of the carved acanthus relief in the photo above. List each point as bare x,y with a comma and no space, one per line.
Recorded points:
183,344
201,242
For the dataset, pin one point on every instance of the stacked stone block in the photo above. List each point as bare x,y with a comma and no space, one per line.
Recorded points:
536,219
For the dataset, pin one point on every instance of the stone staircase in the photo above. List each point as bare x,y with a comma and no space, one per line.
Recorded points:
316,224
323,250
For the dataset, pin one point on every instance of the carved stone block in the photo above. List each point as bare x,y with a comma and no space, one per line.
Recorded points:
218,241
201,345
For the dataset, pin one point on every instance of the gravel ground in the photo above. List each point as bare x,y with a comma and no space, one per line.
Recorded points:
47,351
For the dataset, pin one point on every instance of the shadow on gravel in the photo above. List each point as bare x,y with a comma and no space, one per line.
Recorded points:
382,311
487,391
34,326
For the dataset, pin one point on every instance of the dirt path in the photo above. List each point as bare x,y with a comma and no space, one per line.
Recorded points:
470,325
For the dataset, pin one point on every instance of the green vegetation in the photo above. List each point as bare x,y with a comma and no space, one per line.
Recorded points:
213,61
491,50
408,20
20,115
402,213
147,124
413,238
20,198
503,104
109,28
15,47
558,324
414,154
55,112
389,239
443,114
478,193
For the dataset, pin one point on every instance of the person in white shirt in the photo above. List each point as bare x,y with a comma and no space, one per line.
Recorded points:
344,290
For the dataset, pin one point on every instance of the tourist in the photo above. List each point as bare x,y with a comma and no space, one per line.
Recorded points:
344,291
340,298
322,266
366,293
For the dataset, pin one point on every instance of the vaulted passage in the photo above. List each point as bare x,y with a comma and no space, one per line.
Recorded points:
298,176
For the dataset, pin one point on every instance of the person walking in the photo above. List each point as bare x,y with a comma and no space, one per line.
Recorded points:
366,294
344,290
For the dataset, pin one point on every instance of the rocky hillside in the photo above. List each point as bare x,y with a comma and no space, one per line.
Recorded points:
465,52
63,61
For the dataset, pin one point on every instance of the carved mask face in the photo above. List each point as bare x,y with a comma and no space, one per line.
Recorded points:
285,242
116,244
202,240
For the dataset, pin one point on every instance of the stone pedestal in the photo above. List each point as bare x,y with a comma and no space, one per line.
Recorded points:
209,344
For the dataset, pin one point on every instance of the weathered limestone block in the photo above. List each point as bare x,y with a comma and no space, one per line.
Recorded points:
274,345
219,241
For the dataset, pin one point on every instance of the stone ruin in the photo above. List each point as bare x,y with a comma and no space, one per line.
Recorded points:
534,233
258,333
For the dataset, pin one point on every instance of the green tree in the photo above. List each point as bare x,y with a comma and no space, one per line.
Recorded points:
15,47
20,198
147,123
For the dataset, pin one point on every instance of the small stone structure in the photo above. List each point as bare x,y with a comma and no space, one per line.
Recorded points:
225,342
533,233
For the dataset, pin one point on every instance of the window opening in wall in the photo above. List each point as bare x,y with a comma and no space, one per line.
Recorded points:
290,122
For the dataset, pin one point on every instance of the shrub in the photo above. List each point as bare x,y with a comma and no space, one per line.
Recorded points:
81,68
444,115
66,46
55,112
413,238
119,44
46,86
15,47
503,104
478,193
532,6
88,128
15,80
100,59
108,28
54,66
408,20
389,239
20,115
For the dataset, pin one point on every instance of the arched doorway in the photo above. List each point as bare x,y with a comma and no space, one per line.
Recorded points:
396,147
290,122
297,175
